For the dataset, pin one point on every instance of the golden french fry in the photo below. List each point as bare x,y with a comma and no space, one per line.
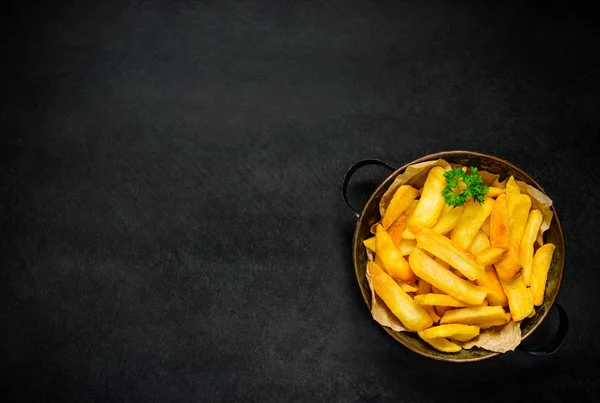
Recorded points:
408,287
495,191
454,331
511,190
412,315
431,202
439,300
448,219
491,255
396,229
527,241
406,246
539,273
482,316
425,288
509,266
520,303
499,223
431,271
399,203
485,227
532,314
517,217
470,222
408,214
371,244
393,261
443,345
457,257
490,280
480,242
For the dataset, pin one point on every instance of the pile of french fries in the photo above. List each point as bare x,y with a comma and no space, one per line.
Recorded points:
448,272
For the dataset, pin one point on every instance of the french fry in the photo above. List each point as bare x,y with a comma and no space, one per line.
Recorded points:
396,229
482,316
527,241
491,255
453,331
431,202
518,210
439,300
443,248
406,246
511,190
448,219
399,203
412,315
539,273
494,191
490,280
431,271
520,302
425,288
407,234
470,222
485,227
517,216
393,261
408,287
499,223
371,244
509,266
443,345
480,242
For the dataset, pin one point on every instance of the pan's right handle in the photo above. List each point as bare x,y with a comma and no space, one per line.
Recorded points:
559,337
352,171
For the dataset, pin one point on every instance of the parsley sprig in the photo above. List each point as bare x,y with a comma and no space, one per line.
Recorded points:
475,186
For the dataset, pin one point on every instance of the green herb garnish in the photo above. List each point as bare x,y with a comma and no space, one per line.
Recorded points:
475,187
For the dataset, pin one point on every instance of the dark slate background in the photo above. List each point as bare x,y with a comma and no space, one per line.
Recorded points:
171,222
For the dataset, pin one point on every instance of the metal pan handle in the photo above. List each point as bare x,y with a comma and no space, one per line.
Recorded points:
352,171
555,343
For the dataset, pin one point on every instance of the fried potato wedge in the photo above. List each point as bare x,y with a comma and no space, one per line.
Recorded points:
520,302
480,242
396,229
425,288
408,287
473,217
490,280
431,202
491,255
453,331
402,198
539,273
482,316
393,261
448,220
509,266
518,213
534,221
457,257
371,244
442,344
406,246
432,272
412,315
499,223
485,227
439,300
494,191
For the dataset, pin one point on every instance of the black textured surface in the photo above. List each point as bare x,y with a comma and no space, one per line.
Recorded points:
171,223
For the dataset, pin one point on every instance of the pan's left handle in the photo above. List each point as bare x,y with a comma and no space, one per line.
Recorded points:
352,171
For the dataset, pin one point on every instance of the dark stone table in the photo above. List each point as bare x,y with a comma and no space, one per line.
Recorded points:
171,222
